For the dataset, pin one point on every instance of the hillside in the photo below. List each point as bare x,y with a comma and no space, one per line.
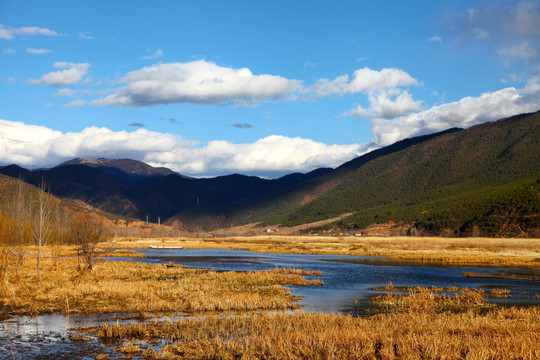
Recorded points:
482,180
201,203
454,183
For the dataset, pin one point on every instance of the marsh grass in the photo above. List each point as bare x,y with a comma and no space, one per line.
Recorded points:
453,331
432,300
132,287
458,251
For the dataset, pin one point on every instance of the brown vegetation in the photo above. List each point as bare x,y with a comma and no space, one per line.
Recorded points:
145,288
415,328
458,251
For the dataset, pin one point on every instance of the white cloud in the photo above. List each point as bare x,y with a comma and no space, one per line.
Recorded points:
38,51
72,73
523,51
8,33
5,33
364,80
38,146
8,51
435,38
74,103
157,54
81,92
85,35
273,154
387,104
464,113
199,82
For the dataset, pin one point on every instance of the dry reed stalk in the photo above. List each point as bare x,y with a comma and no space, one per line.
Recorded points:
146,288
322,336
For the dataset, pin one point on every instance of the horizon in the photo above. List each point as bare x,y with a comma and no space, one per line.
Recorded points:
265,89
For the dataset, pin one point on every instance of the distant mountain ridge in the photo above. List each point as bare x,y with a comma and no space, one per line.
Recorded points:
128,170
485,179
134,189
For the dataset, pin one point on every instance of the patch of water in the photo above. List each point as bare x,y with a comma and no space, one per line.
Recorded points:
349,282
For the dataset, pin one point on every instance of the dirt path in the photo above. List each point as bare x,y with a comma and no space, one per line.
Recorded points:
254,228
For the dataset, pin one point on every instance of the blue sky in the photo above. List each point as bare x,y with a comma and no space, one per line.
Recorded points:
262,88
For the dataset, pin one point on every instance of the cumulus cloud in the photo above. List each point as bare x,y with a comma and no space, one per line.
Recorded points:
199,82
364,81
69,74
275,155
9,33
386,97
387,104
8,51
464,113
38,51
435,38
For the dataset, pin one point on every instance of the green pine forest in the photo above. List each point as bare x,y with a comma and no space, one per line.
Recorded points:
484,181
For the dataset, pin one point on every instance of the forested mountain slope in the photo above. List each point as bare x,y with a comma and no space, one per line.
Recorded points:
452,182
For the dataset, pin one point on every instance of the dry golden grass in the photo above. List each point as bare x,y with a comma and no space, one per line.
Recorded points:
432,300
462,251
145,288
417,329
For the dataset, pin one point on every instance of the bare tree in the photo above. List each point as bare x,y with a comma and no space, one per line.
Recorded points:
20,212
87,230
7,241
42,226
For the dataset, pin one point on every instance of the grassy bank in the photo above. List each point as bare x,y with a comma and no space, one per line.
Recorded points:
459,251
424,324
144,288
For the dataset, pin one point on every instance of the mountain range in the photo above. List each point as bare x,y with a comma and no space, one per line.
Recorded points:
484,180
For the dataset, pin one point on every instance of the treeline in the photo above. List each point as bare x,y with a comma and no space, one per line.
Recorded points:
31,216
510,210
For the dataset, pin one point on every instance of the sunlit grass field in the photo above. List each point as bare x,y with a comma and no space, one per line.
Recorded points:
423,324
133,287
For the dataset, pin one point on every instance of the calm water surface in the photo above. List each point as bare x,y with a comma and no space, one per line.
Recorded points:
349,282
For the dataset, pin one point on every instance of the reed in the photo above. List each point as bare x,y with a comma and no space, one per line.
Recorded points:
432,300
145,288
505,333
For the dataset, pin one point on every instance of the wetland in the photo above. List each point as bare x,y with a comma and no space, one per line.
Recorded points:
212,302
